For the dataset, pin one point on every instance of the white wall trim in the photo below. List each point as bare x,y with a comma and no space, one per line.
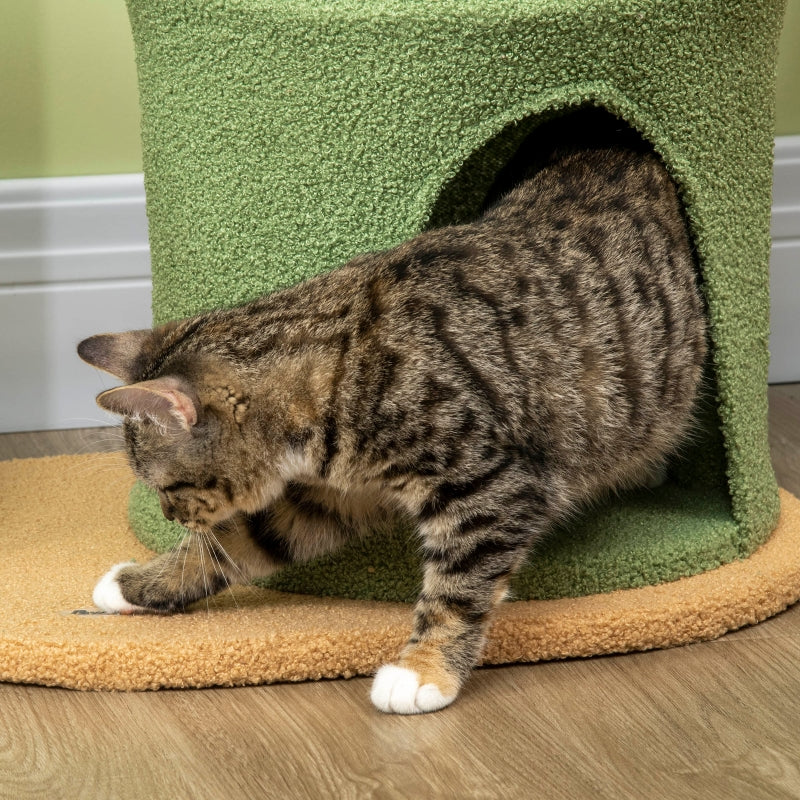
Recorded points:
785,262
73,229
74,260
786,188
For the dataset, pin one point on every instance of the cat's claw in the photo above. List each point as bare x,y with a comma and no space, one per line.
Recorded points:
397,690
107,595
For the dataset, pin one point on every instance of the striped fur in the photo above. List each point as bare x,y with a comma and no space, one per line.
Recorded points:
485,379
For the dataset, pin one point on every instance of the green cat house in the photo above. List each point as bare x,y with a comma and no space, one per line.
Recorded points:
283,137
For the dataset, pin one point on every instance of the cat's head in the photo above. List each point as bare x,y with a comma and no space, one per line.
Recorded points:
186,425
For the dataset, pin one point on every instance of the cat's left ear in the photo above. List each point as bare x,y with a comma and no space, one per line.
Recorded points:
116,353
167,400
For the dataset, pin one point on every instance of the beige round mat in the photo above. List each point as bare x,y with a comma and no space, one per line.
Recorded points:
64,523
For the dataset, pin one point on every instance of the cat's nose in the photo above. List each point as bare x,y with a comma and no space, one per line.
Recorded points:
167,509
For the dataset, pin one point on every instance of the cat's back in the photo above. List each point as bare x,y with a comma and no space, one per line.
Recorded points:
589,258
567,318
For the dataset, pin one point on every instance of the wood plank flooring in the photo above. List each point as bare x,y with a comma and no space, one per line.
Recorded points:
712,720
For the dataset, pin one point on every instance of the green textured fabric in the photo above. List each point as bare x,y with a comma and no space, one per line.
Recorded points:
283,137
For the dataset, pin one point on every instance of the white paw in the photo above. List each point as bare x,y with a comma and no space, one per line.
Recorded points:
107,595
396,690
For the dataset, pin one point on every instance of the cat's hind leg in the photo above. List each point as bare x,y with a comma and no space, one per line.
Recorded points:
472,545
656,476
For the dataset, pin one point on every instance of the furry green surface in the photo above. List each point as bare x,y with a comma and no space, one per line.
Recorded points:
282,137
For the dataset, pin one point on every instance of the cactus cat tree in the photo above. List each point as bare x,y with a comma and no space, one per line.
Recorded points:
283,137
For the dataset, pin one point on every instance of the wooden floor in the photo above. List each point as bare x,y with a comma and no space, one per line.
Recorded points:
715,720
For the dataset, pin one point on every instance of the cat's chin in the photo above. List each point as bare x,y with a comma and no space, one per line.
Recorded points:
107,595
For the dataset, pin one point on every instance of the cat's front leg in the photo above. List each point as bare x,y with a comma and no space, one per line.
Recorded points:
300,525
108,596
168,583
468,562
201,565
449,630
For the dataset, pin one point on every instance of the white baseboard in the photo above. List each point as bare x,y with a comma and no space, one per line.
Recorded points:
785,263
74,260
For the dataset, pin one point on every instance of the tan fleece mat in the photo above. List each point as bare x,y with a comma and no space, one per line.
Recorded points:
64,523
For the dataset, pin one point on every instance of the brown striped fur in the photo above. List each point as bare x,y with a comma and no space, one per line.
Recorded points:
485,379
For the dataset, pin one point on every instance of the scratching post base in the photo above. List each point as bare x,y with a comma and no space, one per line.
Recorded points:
256,635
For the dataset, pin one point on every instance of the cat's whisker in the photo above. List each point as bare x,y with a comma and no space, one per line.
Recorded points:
214,548
108,464
91,423
234,565
170,563
109,472
183,568
202,545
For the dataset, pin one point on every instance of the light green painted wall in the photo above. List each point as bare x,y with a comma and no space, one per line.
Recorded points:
68,101
788,111
68,87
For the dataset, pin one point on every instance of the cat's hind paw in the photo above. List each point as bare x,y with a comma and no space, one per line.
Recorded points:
107,595
397,690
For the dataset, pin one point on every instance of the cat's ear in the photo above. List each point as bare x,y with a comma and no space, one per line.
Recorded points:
167,400
116,353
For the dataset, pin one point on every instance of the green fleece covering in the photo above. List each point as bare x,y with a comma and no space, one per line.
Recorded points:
283,137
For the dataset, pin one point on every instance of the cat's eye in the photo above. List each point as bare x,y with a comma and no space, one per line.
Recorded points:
177,486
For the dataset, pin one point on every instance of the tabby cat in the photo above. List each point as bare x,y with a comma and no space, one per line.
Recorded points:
486,379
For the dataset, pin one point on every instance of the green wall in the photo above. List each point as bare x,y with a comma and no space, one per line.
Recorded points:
68,87
788,113
68,101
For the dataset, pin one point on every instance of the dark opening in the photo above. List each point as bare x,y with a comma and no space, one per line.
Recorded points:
518,151
581,129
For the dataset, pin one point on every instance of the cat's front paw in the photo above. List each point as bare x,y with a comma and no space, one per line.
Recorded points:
398,690
107,595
